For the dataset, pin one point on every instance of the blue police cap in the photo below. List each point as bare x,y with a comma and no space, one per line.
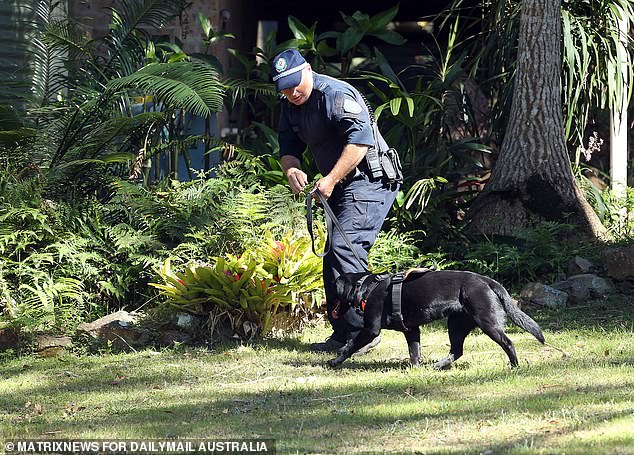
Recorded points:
286,69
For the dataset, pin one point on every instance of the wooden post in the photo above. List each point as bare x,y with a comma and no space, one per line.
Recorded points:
618,121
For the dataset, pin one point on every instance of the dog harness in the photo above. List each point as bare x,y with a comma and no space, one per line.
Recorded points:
371,281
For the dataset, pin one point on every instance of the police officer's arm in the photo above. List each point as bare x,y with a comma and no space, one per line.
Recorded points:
297,179
352,122
349,159
291,148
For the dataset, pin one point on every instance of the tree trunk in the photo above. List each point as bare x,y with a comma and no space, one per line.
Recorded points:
618,120
532,180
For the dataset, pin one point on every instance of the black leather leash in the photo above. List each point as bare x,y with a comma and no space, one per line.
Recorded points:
331,223
395,318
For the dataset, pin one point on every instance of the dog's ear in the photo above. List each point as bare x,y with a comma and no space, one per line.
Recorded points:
340,287
344,289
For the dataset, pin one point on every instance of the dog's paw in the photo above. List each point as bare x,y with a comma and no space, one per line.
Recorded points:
332,363
444,364
414,363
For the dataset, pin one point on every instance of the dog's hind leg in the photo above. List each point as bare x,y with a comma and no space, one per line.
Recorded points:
413,344
459,325
498,335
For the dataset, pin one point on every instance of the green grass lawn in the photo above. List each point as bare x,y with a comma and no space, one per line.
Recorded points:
573,396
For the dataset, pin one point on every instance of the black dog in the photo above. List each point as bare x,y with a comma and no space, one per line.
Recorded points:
467,299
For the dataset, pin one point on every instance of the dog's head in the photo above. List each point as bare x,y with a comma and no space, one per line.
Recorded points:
346,286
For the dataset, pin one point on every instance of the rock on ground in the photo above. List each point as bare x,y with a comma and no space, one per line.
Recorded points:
581,288
544,295
619,262
117,328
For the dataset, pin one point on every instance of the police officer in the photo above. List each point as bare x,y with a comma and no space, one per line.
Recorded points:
331,117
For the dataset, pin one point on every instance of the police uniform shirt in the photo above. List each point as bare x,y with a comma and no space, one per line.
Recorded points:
333,116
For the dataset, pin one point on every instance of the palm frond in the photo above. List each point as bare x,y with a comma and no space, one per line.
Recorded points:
108,140
118,132
124,41
67,35
185,85
49,74
240,87
65,38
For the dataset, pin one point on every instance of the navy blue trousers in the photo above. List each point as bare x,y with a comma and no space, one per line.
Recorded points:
361,207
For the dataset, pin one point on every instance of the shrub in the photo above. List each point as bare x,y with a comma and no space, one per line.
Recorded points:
541,253
394,251
272,285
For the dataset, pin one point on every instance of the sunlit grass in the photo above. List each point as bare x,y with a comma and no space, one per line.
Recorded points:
573,395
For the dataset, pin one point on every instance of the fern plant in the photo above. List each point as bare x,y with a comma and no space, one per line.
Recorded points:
541,253
394,252
64,264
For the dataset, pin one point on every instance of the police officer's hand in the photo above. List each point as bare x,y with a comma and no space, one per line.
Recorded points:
297,179
325,185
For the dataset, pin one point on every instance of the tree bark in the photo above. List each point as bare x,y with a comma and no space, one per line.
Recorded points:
532,180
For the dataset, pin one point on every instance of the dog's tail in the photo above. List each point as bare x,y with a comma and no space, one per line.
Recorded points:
516,315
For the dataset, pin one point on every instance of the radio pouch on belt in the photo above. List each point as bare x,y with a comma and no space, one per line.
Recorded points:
374,163
384,164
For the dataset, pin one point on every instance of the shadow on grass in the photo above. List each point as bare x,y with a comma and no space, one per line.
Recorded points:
547,440
615,314
335,416
384,405
287,343
390,402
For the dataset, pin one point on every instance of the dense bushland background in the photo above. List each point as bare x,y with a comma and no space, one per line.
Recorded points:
85,230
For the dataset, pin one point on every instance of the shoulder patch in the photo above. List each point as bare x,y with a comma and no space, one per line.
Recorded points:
321,86
351,106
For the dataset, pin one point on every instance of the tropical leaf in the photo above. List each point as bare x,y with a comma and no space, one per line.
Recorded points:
130,20
381,20
390,37
349,39
190,86
240,88
299,30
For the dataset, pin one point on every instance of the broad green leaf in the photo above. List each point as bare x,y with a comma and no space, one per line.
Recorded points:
390,37
299,30
348,40
177,57
205,23
324,50
379,110
381,20
326,35
395,106
410,105
387,70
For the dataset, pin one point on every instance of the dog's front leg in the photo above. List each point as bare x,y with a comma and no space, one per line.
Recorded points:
413,344
364,337
444,363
